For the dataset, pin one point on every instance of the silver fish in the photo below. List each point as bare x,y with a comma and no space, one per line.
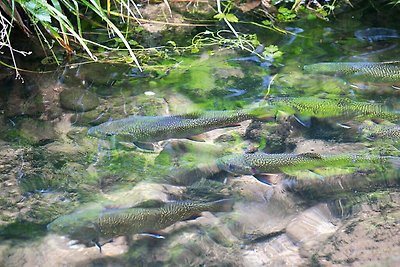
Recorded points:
376,34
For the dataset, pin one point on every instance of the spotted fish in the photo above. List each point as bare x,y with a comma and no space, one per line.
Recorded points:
94,225
142,130
259,163
378,131
306,107
386,72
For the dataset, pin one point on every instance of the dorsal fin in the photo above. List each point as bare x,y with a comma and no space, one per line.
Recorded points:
312,155
150,203
190,115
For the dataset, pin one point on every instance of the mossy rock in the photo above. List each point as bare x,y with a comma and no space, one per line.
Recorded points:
36,132
77,99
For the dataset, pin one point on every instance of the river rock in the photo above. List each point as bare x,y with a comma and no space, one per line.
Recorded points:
36,132
312,227
369,238
279,251
78,99
24,100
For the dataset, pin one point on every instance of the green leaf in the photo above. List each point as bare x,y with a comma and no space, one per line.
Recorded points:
133,42
219,16
38,11
231,18
266,22
195,50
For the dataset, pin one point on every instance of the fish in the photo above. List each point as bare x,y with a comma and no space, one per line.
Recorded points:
257,56
304,108
385,72
96,225
376,34
373,131
259,163
294,31
144,130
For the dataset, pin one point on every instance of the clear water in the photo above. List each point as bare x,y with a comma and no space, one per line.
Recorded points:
50,167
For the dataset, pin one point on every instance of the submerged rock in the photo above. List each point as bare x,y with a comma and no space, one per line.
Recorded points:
36,132
279,251
368,238
24,100
76,99
312,227
273,135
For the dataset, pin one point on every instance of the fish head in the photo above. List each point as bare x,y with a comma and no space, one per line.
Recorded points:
102,131
78,226
235,164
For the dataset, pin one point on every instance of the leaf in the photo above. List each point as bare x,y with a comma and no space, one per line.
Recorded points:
194,50
231,18
219,16
38,11
266,22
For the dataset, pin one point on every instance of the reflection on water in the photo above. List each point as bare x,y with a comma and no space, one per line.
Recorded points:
315,212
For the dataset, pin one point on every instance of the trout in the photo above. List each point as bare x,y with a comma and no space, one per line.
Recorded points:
259,163
97,224
378,131
142,130
386,72
303,108
376,34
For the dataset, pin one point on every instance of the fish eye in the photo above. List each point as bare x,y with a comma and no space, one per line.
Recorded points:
231,166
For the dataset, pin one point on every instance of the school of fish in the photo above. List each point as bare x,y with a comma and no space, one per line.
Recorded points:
98,224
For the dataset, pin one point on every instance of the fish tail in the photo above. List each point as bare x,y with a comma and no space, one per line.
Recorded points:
222,205
395,162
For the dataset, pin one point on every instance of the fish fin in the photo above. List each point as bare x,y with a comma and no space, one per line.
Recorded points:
303,120
230,125
150,203
144,146
190,115
97,243
152,235
266,178
314,172
198,138
396,87
312,155
342,125
222,205
193,217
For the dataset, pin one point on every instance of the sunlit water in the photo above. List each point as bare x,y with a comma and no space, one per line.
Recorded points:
50,167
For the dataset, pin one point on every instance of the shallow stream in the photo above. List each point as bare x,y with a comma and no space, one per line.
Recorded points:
50,167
